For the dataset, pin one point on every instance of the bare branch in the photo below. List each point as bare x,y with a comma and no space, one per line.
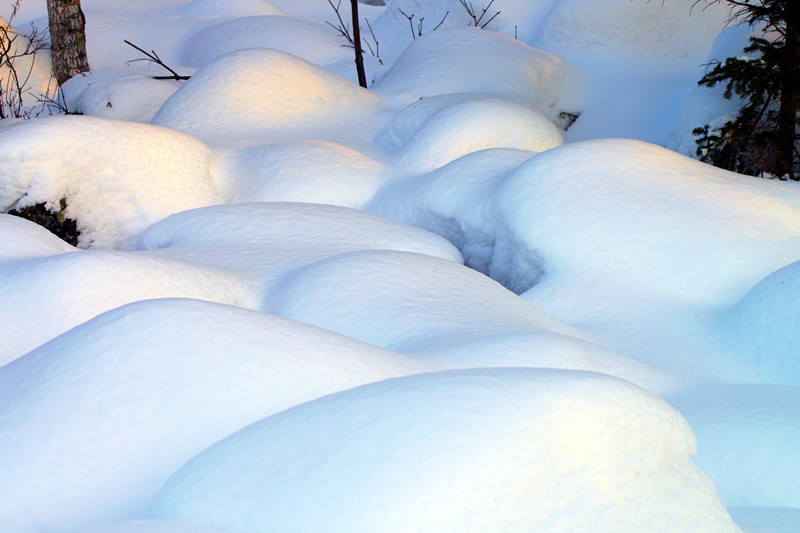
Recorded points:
152,57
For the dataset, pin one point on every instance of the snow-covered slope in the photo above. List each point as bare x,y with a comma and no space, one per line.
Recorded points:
301,305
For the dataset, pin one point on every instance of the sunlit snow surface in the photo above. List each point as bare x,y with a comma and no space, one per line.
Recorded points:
301,305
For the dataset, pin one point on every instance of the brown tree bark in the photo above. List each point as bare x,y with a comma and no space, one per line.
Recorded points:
67,38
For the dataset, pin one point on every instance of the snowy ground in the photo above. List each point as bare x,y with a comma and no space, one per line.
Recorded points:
300,305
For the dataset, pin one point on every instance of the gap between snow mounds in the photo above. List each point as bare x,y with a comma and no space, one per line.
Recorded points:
457,201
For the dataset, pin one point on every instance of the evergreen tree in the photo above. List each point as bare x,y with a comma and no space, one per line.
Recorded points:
762,139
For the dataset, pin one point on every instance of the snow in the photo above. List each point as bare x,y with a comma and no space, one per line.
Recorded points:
756,428
117,177
762,326
458,60
265,242
450,446
268,243
96,420
470,126
123,94
314,42
244,95
301,171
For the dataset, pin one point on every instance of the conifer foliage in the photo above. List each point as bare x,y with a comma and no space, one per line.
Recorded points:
762,140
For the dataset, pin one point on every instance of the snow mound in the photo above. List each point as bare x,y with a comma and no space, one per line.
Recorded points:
492,450
763,326
45,297
303,171
646,216
94,422
469,126
315,43
748,441
264,95
226,9
22,239
460,60
263,242
117,177
669,30
403,301
619,212
123,94
392,27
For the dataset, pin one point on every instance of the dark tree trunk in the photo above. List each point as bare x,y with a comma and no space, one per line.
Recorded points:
790,78
362,77
67,38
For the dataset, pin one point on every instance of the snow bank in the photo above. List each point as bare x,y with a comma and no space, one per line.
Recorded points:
263,242
302,171
648,30
645,216
437,311
620,212
403,301
313,42
93,422
117,177
459,60
748,441
394,32
262,95
495,450
22,239
123,94
227,8
438,137
46,296
763,326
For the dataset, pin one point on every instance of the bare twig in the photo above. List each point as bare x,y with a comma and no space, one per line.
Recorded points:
14,46
477,20
152,57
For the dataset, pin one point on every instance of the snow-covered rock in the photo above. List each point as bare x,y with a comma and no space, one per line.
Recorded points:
117,177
